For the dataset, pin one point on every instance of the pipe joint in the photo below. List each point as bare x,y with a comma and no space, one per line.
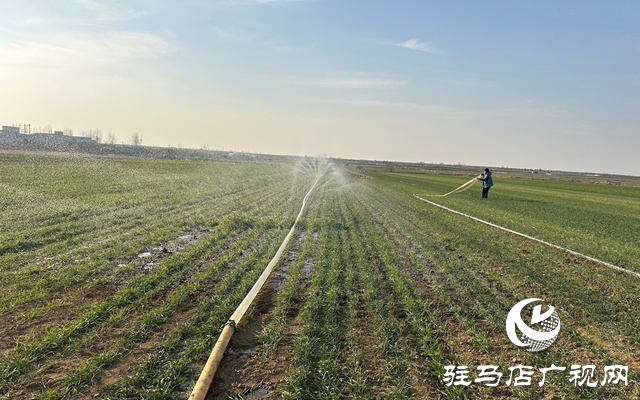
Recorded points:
232,324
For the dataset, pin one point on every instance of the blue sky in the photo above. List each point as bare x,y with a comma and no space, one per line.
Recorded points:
525,84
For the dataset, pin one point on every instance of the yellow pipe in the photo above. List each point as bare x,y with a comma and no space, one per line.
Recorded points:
206,376
209,371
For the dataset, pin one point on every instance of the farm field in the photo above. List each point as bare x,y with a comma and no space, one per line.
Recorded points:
116,275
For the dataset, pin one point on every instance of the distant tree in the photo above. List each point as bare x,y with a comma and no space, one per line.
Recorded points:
136,139
111,138
97,135
94,134
47,129
67,131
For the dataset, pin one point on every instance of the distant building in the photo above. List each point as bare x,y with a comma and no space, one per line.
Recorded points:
12,134
9,134
10,130
58,136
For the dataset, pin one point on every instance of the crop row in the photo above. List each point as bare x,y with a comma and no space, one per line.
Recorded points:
244,224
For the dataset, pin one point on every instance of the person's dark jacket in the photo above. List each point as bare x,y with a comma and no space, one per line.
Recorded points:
486,180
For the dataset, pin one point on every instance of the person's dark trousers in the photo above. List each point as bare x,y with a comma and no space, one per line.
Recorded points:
485,192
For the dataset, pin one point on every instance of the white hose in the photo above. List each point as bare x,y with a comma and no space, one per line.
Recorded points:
575,253
459,189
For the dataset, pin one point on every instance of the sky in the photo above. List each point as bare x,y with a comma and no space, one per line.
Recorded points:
545,84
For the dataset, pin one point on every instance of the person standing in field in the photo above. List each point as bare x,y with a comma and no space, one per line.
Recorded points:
487,182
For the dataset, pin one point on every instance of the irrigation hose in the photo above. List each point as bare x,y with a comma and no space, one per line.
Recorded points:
206,376
459,189
575,253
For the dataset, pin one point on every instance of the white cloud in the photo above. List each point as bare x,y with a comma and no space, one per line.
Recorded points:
84,51
349,80
448,112
109,10
231,3
92,13
415,44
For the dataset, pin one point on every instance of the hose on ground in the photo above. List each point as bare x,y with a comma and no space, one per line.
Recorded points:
206,376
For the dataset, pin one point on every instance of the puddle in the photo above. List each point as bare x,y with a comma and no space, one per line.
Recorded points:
278,277
241,353
162,249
